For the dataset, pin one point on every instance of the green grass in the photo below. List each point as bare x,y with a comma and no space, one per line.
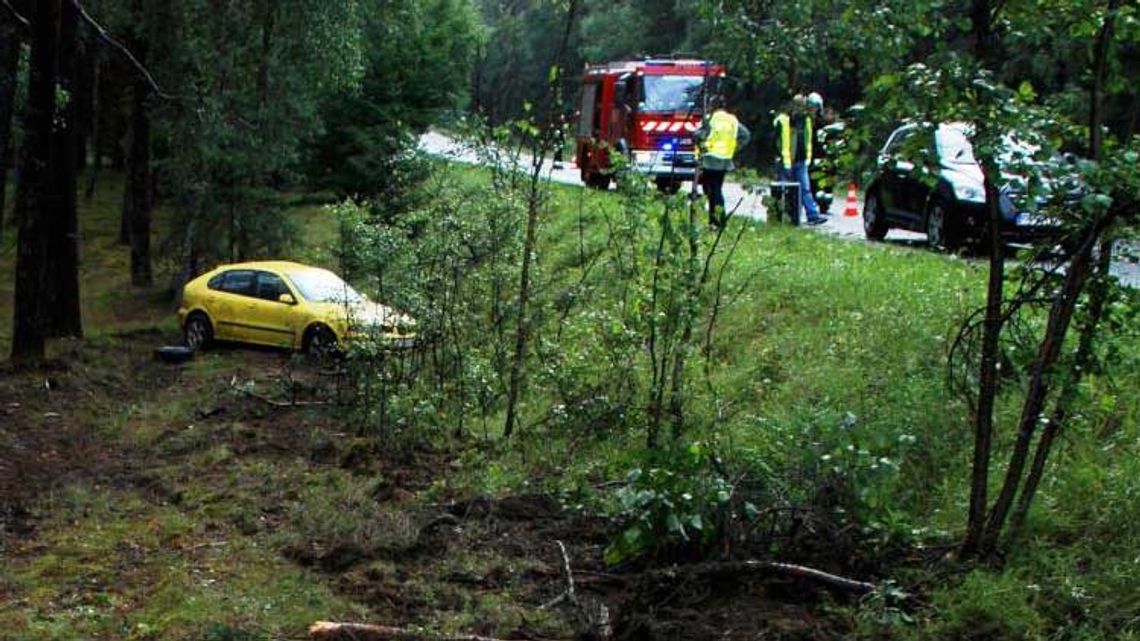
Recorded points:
830,362
114,566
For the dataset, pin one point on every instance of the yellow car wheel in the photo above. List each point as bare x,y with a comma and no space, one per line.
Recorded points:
320,343
198,333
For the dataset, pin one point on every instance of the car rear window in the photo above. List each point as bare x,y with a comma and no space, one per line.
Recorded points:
237,281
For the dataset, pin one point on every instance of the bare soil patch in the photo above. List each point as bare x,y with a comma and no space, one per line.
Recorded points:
486,564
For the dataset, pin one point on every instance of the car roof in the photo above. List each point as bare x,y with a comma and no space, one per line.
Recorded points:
957,126
272,265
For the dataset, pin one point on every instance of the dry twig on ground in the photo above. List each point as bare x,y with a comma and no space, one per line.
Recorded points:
333,631
568,594
711,570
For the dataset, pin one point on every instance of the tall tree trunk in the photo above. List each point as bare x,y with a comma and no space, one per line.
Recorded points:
63,269
1082,360
522,312
268,19
138,186
1100,72
96,130
688,319
522,327
1099,295
987,385
139,183
9,63
657,345
35,188
982,16
84,79
127,200
1060,314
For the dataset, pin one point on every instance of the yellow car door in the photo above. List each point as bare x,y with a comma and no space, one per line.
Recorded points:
270,318
229,305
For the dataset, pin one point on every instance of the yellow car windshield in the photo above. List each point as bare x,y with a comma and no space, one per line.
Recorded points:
325,287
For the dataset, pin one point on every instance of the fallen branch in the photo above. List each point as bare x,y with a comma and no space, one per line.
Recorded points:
592,617
332,631
802,571
21,20
115,44
271,401
276,403
568,595
769,567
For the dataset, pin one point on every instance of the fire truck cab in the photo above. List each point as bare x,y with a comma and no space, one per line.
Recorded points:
647,111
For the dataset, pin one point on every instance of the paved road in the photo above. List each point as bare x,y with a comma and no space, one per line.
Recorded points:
736,199
750,205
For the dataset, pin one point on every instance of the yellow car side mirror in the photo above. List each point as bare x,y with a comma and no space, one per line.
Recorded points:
287,299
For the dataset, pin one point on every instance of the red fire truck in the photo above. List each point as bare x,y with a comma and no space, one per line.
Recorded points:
646,110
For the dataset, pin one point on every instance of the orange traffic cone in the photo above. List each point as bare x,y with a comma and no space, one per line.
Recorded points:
852,208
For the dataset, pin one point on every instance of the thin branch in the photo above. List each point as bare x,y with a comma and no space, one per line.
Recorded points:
333,631
568,595
16,15
102,33
729,568
273,402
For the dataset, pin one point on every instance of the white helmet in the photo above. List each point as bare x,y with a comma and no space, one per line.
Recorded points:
815,100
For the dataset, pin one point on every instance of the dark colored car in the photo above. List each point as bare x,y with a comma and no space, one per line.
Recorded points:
948,206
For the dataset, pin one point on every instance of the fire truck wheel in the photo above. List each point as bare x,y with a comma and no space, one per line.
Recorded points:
668,185
598,181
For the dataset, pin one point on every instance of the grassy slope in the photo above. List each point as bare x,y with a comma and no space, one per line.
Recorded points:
177,533
824,329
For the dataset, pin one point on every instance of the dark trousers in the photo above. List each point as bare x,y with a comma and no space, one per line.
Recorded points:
712,183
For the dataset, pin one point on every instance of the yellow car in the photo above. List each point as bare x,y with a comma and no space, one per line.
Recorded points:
284,304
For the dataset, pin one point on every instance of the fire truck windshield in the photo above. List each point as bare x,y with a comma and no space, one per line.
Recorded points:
671,93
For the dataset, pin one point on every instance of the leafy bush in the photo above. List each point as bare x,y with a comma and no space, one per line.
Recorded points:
679,505
449,265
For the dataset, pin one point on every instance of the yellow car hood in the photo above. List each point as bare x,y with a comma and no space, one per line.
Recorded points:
368,315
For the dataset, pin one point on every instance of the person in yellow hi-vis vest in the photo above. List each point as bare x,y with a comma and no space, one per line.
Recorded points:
718,138
794,141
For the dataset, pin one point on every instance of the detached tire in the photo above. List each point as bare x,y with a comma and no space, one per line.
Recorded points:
173,354
941,228
874,218
198,333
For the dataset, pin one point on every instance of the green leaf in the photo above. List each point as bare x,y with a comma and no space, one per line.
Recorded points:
1026,93
695,522
750,510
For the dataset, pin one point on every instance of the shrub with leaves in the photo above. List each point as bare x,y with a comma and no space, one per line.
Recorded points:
449,264
678,504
